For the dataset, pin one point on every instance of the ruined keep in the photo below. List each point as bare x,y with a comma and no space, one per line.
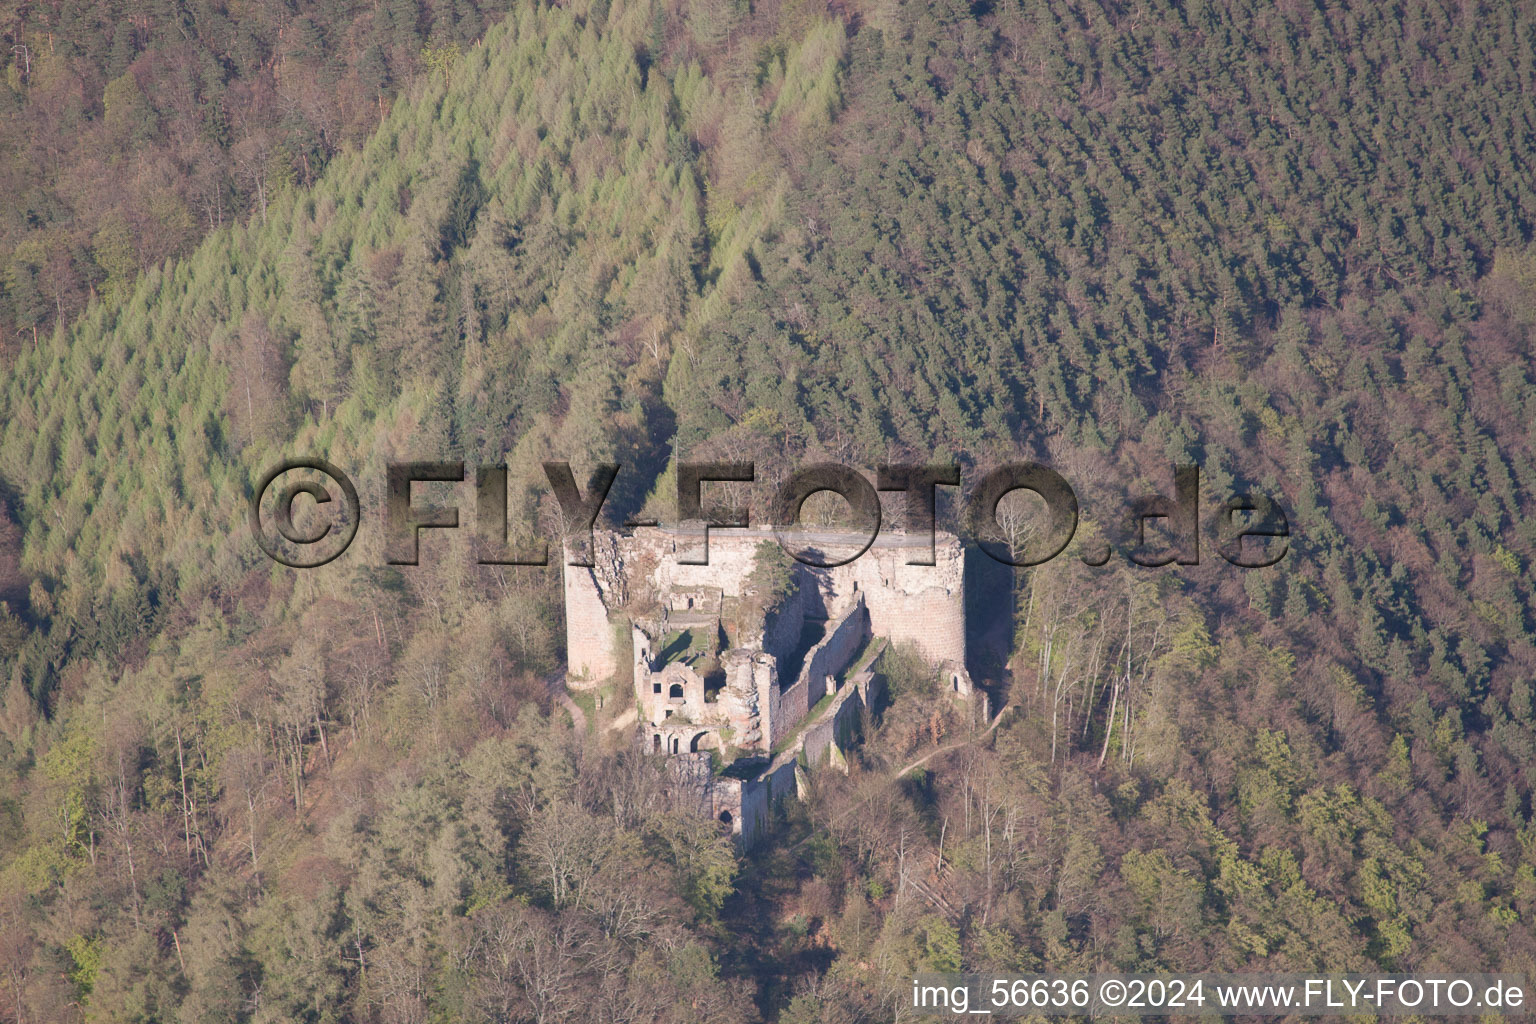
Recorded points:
756,657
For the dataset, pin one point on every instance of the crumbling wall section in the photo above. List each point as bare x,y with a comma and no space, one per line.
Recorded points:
833,653
786,707
698,789
750,682
781,631
755,816
826,741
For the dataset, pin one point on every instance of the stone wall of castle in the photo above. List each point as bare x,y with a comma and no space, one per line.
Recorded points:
754,814
778,710
782,706
725,800
765,676
828,739
829,657
876,593
751,681
821,743
921,605
781,631
589,636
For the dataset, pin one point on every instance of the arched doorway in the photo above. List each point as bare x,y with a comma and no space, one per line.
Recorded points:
725,818
703,741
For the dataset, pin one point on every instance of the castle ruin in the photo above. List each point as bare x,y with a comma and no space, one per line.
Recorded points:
752,666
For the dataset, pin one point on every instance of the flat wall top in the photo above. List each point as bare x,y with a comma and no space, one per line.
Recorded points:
798,537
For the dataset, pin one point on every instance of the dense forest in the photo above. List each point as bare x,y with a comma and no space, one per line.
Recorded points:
131,130
1290,243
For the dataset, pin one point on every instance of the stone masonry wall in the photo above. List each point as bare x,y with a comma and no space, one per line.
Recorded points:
765,677
781,633
832,655
923,605
755,816
920,605
589,636
786,706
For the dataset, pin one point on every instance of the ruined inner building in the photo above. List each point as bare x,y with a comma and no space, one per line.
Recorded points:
755,666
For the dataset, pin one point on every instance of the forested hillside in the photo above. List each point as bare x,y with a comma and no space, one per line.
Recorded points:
130,130
1290,243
